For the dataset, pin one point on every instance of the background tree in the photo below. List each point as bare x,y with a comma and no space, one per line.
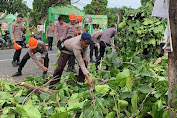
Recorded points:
97,7
13,6
143,2
40,9
112,14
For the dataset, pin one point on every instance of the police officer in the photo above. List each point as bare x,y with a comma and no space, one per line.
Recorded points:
105,41
35,46
71,31
60,27
49,35
76,46
79,22
93,45
16,36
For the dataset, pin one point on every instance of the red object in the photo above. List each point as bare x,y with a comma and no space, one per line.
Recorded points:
72,16
32,43
79,18
17,47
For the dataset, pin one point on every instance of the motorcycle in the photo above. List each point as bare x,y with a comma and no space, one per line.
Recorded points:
38,36
5,41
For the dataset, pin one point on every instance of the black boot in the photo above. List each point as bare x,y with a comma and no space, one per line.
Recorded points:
44,74
14,64
19,73
18,63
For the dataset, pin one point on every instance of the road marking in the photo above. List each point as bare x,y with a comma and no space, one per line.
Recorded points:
21,58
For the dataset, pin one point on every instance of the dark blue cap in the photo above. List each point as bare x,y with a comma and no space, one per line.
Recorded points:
86,36
20,15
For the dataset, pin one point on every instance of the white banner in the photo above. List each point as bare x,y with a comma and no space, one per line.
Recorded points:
160,8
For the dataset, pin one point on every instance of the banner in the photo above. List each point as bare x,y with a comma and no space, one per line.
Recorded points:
160,8
95,19
168,40
40,28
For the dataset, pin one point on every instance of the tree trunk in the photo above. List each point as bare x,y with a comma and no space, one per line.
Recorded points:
119,19
172,59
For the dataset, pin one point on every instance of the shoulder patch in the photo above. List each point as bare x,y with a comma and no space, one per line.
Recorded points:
32,52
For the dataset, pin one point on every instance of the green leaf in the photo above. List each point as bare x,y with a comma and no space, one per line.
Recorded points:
152,41
122,83
5,95
129,83
32,111
155,112
134,101
11,115
7,87
75,105
21,111
20,99
125,95
111,115
100,102
147,21
102,88
44,96
130,54
61,109
53,96
138,40
19,93
71,75
121,78
145,89
166,114
97,114
123,103
60,115
123,74
122,24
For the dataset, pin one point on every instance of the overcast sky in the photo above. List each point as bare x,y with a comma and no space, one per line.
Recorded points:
111,3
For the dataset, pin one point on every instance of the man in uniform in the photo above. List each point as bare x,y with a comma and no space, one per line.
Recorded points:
76,46
60,27
79,22
49,35
16,36
35,46
105,41
71,31
93,45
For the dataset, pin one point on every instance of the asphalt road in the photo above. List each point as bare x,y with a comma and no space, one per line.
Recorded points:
30,69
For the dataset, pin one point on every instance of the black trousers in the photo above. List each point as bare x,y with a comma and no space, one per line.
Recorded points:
27,56
71,62
62,60
93,47
50,41
17,53
59,45
103,45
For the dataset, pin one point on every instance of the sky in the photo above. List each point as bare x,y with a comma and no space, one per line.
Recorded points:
111,3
